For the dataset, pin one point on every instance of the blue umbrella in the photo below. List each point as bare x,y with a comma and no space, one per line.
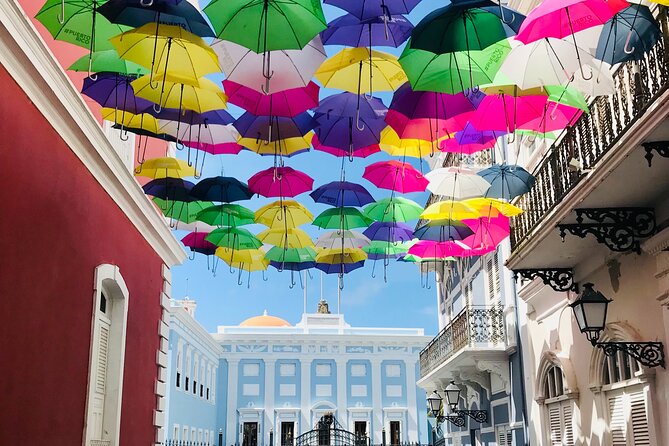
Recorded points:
443,231
339,268
292,266
273,128
174,189
136,13
349,30
507,181
389,232
190,117
342,193
113,90
221,189
628,35
371,9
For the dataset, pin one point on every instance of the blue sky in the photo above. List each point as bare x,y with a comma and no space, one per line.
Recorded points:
402,301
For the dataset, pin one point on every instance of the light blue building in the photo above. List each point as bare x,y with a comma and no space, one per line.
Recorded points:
265,375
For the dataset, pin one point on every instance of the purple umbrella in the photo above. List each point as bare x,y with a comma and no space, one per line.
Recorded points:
190,117
113,90
339,268
273,128
344,133
351,105
174,189
349,30
370,9
389,232
342,193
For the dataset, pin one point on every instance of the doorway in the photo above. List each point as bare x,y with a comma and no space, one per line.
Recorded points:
287,433
395,432
250,437
360,430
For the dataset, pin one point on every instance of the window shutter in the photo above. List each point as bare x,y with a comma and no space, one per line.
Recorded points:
568,438
491,279
495,263
617,422
555,424
639,419
103,354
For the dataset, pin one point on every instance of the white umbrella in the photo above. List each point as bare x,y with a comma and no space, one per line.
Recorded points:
456,182
351,239
196,226
289,68
205,134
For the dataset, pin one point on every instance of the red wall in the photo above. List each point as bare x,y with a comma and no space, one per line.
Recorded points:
56,225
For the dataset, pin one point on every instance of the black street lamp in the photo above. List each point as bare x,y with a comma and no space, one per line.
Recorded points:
453,396
590,310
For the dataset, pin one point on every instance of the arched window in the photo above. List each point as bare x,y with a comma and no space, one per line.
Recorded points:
188,368
557,392
179,363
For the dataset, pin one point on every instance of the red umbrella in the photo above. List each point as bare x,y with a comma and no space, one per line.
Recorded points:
396,176
280,182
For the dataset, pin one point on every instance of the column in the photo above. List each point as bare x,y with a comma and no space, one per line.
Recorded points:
268,423
342,414
412,408
377,407
232,427
305,396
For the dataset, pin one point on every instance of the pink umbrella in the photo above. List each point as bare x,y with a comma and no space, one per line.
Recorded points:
396,176
226,148
362,152
428,249
488,232
280,182
428,129
197,243
286,103
508,113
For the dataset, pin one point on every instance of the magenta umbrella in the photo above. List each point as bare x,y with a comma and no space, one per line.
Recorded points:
362,152
197,243
488,232
507,113
286,103
226,148
428,249
280,182
395,176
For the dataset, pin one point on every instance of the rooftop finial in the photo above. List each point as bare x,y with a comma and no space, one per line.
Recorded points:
323,307
264,313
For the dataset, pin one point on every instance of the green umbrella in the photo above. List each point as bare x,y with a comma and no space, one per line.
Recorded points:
396,209
107,61
226,215
184,211
452,72
342,218
233,238
380,247
291,255
77,22
567,96
267,25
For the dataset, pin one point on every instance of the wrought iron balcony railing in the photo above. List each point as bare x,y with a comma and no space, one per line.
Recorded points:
474,326
638,85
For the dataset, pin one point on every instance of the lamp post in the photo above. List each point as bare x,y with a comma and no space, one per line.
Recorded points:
220,437
453,396
436,406
590,309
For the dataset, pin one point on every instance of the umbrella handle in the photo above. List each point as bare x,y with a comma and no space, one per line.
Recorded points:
511,139
265,279
627,49
61,16
121,133
357,121
91,75
553,114
192,255
583,72
341,280
157,108
145,4
373,268
501,14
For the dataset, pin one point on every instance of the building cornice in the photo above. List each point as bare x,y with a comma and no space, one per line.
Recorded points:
29,61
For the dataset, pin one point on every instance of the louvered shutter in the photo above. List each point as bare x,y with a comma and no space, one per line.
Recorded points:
639,419
617,421
490,278
501,437
495,264
567,423
103,357
555,424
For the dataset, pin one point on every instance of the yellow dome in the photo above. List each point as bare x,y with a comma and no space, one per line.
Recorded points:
264,321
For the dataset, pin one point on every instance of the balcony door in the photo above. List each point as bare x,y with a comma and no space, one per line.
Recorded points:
250,437
395,437
360,430
287,433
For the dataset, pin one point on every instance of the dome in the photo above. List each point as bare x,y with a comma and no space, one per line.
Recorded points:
264,321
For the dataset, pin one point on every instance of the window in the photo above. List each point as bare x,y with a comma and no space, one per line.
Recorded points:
175,433
395,435
202,380
323,370
179,363
196,368
185,435
193,434
208,381
188,368
558,409
504,435
358,370
206,437
251,369
492,276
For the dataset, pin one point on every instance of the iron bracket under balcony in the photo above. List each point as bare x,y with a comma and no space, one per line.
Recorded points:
560,279
620,229
661,147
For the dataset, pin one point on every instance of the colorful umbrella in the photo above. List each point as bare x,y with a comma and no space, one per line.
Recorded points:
382,250
456,183
174,189
234,238
339,268
349,30
243,259
351,105
347,133
283,213
340,256
487,232
450,210
204,97
292,68
291,266
371,9
286,238
113,90
342,193
470,140
507,181
443,231
181,211
396,176
226,215
343,239
107,61
395,209
491,207
396,146
221,189
291,255
389,232
361,152
427,249
280,182
270,128
342,218
287,103
165,167
196,242
628,35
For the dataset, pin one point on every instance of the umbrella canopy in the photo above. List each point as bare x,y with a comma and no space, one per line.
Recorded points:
427,249
381,250
244,259
342,218
113,90
449,210
389,232
292,68
286,147
395,209
470,140
286,238
487,232
287,103
181,211
360,152
291,255
351,105
291,266
443,231
343,239
628,35
270,128
200,135
234,238
204,97
349,30
165,167
226,215
136,13
371,9
196,241
341,256
107,61
456,183
280,182
266,25
221,189
491,207
339,268
130,121
465,26
174,189
507,181
393,145
395,176
347,133
342,193
283,213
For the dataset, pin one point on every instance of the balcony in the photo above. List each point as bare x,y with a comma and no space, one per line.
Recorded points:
477,328
598,163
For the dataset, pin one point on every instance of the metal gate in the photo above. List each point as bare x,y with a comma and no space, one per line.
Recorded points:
329,432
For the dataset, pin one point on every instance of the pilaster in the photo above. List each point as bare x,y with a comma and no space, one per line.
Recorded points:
232,428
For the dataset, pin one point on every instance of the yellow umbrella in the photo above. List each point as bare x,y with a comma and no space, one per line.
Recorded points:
491,207
283,214
283,147
143,121
205,97
451,210
338,256
351,67
286,238
246,259
165,167
393,145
